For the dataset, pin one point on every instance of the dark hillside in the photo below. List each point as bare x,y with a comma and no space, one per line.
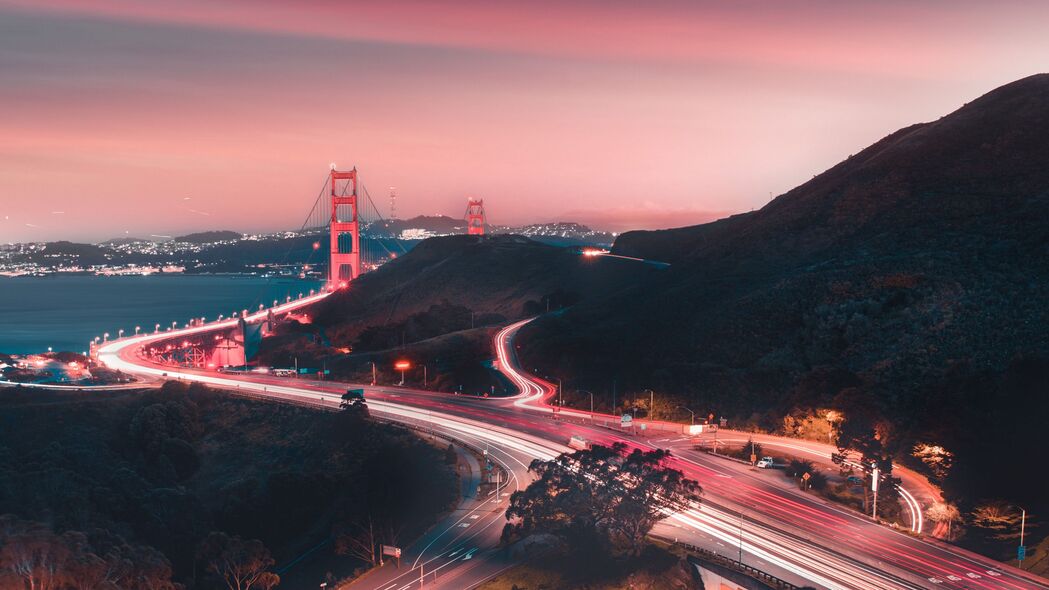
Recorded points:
503,276
906,286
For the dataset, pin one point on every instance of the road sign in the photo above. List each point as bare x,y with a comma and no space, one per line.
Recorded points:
1021,553
805,477
626,420
753,458
391,551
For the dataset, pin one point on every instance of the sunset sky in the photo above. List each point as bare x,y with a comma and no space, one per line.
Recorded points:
613,113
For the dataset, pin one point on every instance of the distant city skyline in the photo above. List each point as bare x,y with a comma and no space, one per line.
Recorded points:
139,118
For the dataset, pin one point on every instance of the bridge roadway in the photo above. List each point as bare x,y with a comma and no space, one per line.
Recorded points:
781,530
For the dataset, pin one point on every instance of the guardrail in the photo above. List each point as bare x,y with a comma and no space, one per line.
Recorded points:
709,556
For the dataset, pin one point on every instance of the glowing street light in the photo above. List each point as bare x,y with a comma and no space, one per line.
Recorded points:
137,330
402,366
105,337
120,333
156,329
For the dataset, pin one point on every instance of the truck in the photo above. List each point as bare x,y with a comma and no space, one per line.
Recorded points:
767,463
579,443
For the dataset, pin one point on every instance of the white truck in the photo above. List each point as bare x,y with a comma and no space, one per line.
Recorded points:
579,443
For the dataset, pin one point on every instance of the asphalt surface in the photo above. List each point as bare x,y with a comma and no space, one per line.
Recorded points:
788,533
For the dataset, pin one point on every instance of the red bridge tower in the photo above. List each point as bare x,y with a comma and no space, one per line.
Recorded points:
475,217
344,264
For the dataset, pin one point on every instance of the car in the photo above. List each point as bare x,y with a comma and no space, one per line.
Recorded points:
854,480
766,463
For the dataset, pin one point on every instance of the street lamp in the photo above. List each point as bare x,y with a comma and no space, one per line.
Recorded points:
651,403
1021,550
156,329
690,412
120,333
402,366
591,402
137,330
105,337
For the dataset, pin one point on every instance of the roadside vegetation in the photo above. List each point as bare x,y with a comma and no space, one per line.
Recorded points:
186,487
588,514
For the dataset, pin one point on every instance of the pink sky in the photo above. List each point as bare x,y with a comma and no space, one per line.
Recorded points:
615,113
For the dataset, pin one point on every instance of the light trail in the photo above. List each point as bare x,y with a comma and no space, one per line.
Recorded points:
824,563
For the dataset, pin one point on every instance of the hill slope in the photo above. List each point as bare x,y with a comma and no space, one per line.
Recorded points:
906,285
505,275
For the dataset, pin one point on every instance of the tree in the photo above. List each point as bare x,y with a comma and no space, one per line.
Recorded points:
609,494
359,540
240,564
33,553
999,519
942,512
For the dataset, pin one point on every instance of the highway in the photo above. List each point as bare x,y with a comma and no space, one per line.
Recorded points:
777,528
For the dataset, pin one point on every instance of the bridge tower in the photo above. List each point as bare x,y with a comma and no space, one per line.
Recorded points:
344,264
475,219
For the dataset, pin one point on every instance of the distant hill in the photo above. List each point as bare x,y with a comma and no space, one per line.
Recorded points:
440,224
122,241
209,237
511,276
906,286
69,253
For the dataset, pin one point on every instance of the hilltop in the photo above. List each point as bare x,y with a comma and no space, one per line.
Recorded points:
508,276
210,237
905,286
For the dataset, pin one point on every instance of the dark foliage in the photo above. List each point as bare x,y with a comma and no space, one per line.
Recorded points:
167,468
602,498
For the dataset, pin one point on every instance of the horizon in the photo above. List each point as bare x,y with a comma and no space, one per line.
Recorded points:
171,120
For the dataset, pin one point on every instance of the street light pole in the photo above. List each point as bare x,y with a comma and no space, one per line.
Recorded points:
1023,523
741,537
690,412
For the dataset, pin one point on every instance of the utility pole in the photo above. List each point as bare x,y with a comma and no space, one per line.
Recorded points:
874,487
296,366
424,376
741,537
560,398
373,372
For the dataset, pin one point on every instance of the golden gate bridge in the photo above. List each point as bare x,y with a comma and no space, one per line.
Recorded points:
344,224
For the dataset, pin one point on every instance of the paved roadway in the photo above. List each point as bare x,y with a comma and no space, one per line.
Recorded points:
788,533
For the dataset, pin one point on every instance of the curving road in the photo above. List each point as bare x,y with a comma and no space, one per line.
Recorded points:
748,512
